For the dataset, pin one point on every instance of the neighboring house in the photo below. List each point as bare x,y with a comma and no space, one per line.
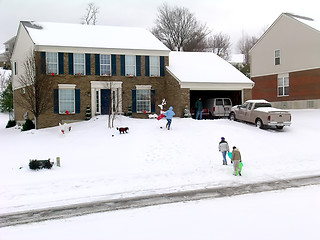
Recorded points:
6,54
116,69
285,63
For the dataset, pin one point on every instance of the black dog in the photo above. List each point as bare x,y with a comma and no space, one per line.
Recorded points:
123,130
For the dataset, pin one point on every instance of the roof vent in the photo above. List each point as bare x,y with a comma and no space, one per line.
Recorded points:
298,16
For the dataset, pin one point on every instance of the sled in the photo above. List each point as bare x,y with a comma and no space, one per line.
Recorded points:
161,116
230,155
240,167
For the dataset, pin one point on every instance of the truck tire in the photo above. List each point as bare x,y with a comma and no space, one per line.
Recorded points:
232,116
279,127
259,123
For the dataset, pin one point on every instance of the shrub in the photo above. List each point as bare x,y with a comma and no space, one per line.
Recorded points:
38,164
11,123
28,125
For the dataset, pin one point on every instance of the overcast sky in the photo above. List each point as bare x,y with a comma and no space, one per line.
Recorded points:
232,17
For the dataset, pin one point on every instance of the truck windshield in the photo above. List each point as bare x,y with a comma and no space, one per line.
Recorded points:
258,105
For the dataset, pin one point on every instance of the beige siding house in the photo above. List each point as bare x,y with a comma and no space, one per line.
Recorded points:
285,63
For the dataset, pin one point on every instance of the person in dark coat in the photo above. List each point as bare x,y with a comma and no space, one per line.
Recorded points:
198,105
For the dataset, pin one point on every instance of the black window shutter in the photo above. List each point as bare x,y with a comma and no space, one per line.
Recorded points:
77,98
97,63
123,65
147,66
138,65
162,70
71,63
88,64
114,65
56,100
153,100
61,64
134,99
43,62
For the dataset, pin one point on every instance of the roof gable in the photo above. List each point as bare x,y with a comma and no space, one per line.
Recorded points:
92,36
309,22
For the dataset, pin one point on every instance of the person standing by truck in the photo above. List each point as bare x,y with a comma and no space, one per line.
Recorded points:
198,105
224,148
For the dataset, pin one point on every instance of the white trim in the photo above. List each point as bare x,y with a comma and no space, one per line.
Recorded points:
143,87
97,86
108,51
216,86
66,86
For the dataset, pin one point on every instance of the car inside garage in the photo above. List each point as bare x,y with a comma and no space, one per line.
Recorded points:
235,96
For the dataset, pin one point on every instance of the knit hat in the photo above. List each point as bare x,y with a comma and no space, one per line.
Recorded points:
222,138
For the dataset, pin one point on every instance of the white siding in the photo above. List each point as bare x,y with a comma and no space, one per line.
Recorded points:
23,48
298,43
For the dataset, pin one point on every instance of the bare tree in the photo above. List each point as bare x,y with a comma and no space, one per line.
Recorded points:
245,44
91,15
220,45
37,88
178,28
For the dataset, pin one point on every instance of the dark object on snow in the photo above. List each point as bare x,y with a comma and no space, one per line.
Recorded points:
28,125
123,130
39,164
11,123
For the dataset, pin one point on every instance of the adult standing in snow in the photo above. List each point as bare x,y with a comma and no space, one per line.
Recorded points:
224,148
169,115
198,105
236,158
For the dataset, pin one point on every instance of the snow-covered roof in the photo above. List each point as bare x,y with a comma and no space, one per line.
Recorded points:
92,36
204,67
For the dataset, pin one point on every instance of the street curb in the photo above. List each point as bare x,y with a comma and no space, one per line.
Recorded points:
73,210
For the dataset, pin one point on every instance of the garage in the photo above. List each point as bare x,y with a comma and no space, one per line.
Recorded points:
206,75
235,96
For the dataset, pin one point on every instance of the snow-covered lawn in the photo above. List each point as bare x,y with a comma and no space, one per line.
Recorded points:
96,165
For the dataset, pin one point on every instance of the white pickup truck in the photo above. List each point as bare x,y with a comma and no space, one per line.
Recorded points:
261,113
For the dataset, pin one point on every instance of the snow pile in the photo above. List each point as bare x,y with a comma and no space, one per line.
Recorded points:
99,163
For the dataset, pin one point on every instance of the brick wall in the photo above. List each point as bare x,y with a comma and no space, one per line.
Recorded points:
165,87
303,85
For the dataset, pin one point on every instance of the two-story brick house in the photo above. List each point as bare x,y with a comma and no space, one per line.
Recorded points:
110,69
285,63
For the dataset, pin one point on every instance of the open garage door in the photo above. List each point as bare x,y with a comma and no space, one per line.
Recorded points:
235,96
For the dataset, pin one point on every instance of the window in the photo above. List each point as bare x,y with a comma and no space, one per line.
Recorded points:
154,66
67,99
130,65
105,65
15,68
283,85
79,64
277,57
52,62
143,96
